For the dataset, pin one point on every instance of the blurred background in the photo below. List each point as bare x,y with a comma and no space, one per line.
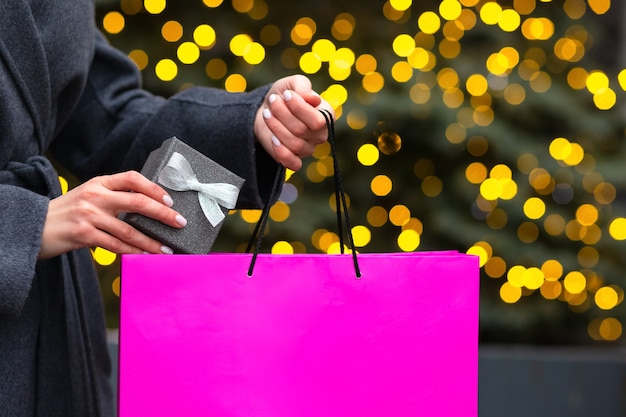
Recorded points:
494,128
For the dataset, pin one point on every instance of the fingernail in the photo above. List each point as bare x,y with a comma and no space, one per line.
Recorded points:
181,220
287,95
167,250
267,113
167,200
276,142
272,98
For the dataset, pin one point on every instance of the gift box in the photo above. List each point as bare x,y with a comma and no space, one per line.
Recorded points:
203,191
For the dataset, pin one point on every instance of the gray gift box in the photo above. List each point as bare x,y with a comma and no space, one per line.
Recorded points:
199,234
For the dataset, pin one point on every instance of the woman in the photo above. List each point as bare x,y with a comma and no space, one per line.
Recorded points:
66,93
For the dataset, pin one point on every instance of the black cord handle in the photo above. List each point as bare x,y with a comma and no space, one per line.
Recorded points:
340,204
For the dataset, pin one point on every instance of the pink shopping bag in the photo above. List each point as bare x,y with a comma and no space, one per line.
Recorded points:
302,337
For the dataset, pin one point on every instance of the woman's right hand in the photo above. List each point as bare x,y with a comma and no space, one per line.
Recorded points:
86,216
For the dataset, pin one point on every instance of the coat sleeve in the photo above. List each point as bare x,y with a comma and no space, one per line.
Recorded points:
25,188
117,124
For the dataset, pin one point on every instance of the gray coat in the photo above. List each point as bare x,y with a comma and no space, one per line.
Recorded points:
65,92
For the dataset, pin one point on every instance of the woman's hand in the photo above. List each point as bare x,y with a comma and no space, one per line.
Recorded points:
87,216
289,125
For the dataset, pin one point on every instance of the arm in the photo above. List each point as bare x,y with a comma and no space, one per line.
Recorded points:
117,124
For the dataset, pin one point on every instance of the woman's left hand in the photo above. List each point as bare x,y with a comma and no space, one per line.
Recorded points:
289,124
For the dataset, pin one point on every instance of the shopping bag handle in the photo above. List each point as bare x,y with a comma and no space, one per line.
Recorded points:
340,204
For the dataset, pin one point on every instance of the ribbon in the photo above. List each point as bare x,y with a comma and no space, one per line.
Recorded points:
178,175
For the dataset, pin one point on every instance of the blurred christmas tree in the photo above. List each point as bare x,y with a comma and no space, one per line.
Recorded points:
489,127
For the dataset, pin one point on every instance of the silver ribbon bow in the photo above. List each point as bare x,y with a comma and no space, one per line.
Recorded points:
178,175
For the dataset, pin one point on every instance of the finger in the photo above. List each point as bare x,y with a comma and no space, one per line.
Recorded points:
135,202
124,238
134,181
299,116
285,156
147,198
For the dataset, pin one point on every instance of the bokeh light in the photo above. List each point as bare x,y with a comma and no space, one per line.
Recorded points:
492,127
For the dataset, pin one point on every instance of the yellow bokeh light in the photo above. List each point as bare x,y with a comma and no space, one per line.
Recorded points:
154,6
587,214
279,212
324,49
116,286
310,62
429,22
188,52
575,282
204,36
476,173
551,290
576,155
235,83
490,13
400,5
605,99
139,57
597,81
373,82
377,216
368,154
610,329
282,248
408,240
402,71
238,44
599,6
64,185
552,270
104,257
534,208
533,278
476,85
509,293
254,53
303,31
479,251
491,189
343,26
166,70
361,236
172,31
336,95
606,298
403,45
366,63
495,267
617,228
381,185
250,216
243,6
540,28
113,22
450,9
399,215
560,149
509,20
